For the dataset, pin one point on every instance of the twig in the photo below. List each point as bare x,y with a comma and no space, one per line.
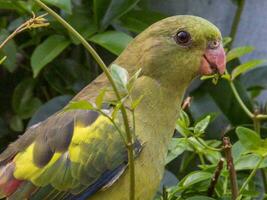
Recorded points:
230,166
88,47
186,103
34,22
215,177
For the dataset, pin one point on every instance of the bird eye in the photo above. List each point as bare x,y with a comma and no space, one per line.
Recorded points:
182,38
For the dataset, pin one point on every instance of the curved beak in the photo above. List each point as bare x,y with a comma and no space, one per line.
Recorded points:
213,61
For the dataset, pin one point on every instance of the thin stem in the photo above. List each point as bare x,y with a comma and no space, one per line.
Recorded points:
206,146
201,158
88,47
236,21
251,176
261,117
241,103
230,166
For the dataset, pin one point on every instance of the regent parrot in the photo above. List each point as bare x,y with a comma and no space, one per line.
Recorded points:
79,154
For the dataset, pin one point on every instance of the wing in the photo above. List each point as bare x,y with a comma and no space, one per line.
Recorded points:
70,155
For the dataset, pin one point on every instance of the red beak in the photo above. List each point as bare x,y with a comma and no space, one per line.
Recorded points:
213,61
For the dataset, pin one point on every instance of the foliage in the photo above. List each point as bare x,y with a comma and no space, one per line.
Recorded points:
44,68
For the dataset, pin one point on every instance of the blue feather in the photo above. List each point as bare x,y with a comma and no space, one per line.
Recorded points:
104,180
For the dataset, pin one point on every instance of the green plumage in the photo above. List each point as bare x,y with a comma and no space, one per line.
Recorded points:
71,150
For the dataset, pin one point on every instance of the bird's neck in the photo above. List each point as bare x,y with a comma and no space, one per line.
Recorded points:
158,109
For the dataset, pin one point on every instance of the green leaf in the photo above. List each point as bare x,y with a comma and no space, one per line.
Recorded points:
108,10
249,161
16,124
113,41
184,118
23,102
195,177
100,98
245,67
116,110
9,51
79,105
47,51
176,147
136,102
238,52
62,4
120,76
248,138
133,79
81,19
201,126
138,20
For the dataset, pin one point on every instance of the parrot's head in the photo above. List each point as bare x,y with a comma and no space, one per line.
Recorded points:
177,49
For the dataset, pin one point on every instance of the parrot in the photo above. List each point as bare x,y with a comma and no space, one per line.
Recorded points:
79,154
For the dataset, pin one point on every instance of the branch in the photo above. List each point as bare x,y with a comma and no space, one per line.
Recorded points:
215,177
230,166
34,22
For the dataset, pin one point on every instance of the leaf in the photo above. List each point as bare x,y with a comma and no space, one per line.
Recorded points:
100,98
9,51
115,110
47,51
201,126
120,76
133,79
107,11
248,138
245,67
23,102
138,20
62,4
81,20
249,161
136,102
195,177
16,124
238,52
176,147
184,118
113,41
79,105
68,76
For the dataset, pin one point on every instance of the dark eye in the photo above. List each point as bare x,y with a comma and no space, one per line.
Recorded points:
182,38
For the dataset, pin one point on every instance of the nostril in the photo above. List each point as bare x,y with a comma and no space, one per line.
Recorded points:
214,44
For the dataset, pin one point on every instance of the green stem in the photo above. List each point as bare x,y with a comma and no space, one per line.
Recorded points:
206,146
261,117
241,103
251,176
88,47
236,21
